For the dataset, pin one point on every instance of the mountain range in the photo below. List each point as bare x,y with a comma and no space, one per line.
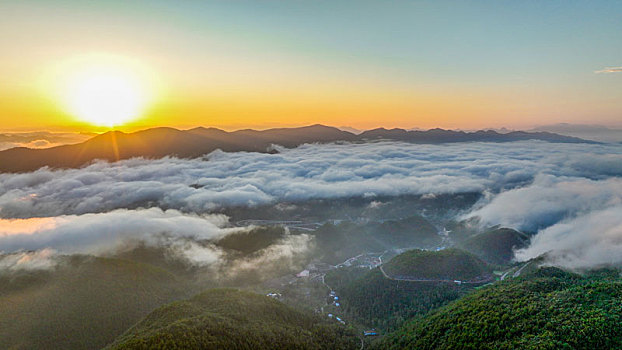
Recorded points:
599,133
192,143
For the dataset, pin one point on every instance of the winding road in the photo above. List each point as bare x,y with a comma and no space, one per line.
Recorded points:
486,279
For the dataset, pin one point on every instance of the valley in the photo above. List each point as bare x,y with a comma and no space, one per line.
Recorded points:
310,175
365,271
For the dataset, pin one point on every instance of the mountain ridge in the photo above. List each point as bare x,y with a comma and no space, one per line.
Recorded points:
192,143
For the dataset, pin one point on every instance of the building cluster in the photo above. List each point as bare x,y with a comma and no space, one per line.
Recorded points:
314,269
368,261
274,295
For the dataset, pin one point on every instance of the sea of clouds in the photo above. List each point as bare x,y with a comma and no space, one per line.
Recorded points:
549,188
39,139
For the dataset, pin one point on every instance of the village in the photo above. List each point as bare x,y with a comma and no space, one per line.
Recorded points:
305,283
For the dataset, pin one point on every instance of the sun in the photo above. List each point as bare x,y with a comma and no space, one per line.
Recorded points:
104,92
105,97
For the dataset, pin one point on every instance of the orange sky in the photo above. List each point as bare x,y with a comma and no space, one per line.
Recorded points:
271,64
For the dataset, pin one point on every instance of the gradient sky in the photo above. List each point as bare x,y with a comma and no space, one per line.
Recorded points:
236,64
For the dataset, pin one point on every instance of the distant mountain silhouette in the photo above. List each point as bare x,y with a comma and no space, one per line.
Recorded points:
585,131
161,142
445,136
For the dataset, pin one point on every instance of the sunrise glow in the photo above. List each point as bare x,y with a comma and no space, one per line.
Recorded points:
102,90
235,67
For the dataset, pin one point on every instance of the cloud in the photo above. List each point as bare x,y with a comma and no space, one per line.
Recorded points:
578,222
31,144
26,226
610,70
105,232
103,207
195,254
39,139
589,241
31,244
547,201
39,260
288,252
310,171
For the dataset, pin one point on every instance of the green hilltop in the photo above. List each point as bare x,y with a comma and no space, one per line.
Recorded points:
386,301
496,246
233,319
446,264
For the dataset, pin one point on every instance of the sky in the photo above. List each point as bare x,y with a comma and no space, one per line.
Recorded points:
364,64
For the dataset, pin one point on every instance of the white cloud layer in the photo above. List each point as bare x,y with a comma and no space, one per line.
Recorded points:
101,232
549,200
309,171
530,185
105,233
589,241
578,221
32,244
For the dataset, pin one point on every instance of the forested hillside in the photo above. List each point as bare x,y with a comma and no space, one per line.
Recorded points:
386,301
233,319
549,309
379,302
84,303
447,264
346,239
496,246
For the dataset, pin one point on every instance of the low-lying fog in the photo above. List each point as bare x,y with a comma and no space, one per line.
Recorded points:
570,194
